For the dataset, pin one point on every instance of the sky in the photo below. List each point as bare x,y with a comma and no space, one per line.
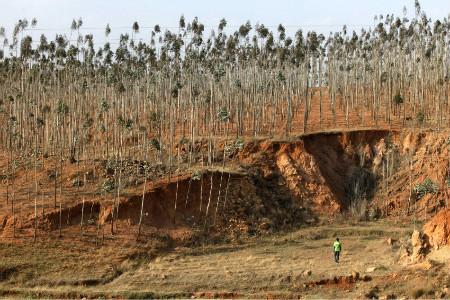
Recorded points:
324,16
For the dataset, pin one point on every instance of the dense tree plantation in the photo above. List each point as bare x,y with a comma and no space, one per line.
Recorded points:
185,95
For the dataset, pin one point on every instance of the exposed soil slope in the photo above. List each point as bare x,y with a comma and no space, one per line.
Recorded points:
267,186
270,185
417,158
437,229
324,172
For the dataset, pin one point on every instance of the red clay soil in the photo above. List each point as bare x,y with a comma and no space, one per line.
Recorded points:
239,208
429,155
342,282
318,170
438,229
279,184
267,186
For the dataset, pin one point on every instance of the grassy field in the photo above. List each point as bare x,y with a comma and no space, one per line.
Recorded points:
283,265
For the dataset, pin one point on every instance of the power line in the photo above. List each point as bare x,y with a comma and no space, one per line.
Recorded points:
208,27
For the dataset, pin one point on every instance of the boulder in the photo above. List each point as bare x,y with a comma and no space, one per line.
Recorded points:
390,241
355,275
420,246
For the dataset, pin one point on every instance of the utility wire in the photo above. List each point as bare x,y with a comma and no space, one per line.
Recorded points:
208,27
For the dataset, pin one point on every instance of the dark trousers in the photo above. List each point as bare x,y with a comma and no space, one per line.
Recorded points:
336,256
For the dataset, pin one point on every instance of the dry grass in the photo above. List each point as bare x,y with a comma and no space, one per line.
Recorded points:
260,266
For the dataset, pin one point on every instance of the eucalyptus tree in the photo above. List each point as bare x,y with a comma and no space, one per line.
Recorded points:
224,116
166,92
2,36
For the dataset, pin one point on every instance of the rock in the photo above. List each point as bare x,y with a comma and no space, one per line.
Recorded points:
420,246
387,297
439,294
264,226
366,278
371,269
286,279
403,253
355,275
373,293
390,241
307,273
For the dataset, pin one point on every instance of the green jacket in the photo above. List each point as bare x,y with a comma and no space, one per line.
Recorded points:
337,246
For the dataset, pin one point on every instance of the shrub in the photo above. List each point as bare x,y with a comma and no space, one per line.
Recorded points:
426,187
108,186
77,182
420,117
238,145
358,209
398,99
197,175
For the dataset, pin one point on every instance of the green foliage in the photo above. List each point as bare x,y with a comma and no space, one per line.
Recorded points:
208,98
120,88
426,187
88,122
62,108
197,175
154,144
195,91
154,117
46,109
219,73
102,128
174,92
175,89
77,182
12,121
84,86
104,106
108,186
223,114
420,117
40,122
183,141
121,121
398,99
238,145
280,77
129,124
125,124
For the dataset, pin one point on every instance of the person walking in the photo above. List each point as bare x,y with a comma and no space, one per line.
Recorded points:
337,247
